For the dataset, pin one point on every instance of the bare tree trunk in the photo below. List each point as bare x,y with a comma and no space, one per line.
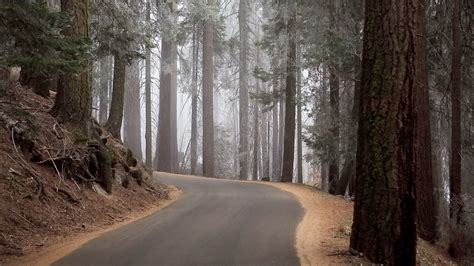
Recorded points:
148,132
73,104
426,221
348,171
114,123
455,162
256,136
265,145
194,104
207,97
384,227
275,129
299,113
333,175
289,139
243,92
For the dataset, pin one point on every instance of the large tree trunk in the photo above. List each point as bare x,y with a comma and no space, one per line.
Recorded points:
289,139
114,123
243,92
73,103
208,96
132,118
194,104
384,227
167,128
148,126
455,160
132,108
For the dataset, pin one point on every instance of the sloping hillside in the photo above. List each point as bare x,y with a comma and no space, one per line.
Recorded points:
51,184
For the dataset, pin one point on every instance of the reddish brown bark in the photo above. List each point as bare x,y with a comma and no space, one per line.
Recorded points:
384,227
455,162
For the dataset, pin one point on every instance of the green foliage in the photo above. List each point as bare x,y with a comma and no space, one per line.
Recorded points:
117,30
31,37
261,74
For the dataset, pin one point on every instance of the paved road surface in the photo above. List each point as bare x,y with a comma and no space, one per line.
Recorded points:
215,222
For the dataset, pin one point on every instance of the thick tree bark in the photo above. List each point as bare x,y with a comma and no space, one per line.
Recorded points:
167,129
289,139
243,92
426,221
208,96
384,227
73,104
455,160
114,123
148,132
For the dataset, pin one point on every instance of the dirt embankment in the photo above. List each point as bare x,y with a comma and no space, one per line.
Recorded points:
49,181
323,236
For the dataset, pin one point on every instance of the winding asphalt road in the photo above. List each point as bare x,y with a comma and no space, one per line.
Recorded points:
215,222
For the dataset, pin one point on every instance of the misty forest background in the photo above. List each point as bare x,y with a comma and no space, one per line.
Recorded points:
256,90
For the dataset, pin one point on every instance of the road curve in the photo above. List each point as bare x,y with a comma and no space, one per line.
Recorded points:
215,222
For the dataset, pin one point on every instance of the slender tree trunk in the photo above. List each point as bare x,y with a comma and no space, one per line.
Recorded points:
455,162
243,92
114,123
348,171
148,132
299,114
384,227
73,104
256,136
208,96
275,129
265,145
104,89
281,124
289,139
194,104
333,175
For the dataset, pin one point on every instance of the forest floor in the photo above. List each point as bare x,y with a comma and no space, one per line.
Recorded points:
40,206
323,236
